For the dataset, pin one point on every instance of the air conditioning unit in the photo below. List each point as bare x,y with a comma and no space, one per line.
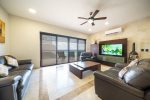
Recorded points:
113,31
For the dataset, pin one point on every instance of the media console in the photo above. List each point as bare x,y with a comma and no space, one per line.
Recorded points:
119,55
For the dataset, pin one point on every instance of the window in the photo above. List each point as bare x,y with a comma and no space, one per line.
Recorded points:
73,50
62,50
81,47
48,52
58,49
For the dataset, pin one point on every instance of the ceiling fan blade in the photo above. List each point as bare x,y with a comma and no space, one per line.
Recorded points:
93,24
95,13
100,18
84,23
83,18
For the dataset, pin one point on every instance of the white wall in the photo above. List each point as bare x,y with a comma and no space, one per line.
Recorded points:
4,47
25,37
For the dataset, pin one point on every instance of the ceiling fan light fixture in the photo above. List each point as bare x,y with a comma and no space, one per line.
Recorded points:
107,23
92,18
31,10
90,21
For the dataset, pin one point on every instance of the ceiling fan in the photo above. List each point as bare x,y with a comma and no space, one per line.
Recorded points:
92,18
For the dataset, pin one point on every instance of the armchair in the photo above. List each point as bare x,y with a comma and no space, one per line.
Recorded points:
86,56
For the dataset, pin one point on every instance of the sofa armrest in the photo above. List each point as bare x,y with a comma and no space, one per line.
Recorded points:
82,58
118,83
121,65
9,80
22,62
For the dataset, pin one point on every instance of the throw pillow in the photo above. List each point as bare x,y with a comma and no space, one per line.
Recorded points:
3,70
11,61
125,69
138,77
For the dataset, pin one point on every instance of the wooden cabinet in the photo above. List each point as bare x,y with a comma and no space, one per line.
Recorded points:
95,49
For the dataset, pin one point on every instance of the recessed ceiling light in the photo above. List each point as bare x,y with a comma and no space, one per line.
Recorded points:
90,30
33,11
106,23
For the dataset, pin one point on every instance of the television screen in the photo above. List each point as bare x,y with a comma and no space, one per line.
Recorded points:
112,49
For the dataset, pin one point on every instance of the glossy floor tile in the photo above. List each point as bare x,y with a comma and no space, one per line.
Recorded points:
58,83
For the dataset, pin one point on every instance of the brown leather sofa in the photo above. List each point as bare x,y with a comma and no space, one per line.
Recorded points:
135,84
14,85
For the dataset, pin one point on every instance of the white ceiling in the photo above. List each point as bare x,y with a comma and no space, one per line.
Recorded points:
64,13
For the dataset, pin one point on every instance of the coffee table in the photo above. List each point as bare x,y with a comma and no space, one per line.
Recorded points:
78,68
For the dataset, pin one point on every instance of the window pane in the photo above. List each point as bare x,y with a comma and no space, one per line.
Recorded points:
81,45
73,44
62,50
48,50
73,50
62,43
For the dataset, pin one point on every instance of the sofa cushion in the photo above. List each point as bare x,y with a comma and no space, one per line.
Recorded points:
125,69
2,60
11,61
3,70
86,54
22,62
121,65
144,62
23,67
26,67
138,77
113,72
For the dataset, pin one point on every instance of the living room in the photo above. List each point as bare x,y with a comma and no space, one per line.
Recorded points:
25,23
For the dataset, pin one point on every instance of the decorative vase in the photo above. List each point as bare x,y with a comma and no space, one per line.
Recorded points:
133,54
95,42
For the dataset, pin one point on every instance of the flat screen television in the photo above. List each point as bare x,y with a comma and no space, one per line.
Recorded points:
112,49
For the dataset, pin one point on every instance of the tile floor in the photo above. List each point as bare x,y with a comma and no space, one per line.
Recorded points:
58,83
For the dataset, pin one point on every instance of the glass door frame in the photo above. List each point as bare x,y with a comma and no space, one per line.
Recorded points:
68,38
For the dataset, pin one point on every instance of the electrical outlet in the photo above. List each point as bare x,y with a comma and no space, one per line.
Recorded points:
147,50
142,50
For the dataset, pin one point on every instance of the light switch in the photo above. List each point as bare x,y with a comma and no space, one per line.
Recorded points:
147,50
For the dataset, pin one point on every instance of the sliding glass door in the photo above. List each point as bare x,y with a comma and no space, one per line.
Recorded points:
62,50
81,47
48,50
72,50
57,49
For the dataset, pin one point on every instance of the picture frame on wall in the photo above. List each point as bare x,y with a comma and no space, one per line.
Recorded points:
2,31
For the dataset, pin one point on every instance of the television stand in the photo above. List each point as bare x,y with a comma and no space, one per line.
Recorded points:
110,60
